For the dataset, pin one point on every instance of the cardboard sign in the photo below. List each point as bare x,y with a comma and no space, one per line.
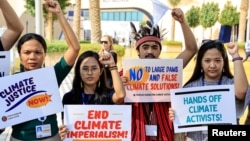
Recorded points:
197,107
29,92
98,122
150,80
5,63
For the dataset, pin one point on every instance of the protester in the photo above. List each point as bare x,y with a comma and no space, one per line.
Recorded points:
13,31
14,26
32,51
148,46
107,46
212,68
247,50
89,83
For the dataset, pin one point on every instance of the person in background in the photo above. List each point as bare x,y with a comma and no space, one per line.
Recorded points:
247,50
107,46
89,83
14,26
212,68
148,46
32,51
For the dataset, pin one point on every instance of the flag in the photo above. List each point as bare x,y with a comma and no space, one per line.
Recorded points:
159,9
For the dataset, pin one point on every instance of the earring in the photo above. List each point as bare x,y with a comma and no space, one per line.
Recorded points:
201,70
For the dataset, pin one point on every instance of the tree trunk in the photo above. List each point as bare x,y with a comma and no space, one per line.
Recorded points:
242,22
77,18
211,33
172,29
94,15
49,29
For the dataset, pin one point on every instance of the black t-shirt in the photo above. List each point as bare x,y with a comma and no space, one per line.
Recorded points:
1,46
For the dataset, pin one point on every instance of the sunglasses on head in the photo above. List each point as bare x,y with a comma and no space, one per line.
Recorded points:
105,42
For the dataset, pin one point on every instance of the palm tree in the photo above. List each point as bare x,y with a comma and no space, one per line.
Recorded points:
49,17
77,18
49,27
174,4
242,22
95,20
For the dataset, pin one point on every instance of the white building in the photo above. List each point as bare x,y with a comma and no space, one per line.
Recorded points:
116,15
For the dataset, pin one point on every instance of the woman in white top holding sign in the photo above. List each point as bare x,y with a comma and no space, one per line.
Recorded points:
212,68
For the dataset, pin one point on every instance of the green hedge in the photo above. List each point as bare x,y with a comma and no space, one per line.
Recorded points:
241,45
172,43
61,46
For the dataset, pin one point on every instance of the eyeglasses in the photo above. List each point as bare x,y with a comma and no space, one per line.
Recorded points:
91,70
105,42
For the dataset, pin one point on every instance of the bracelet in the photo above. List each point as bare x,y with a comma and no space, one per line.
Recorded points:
237,58
113,68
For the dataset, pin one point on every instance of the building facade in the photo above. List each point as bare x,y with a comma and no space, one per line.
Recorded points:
116,16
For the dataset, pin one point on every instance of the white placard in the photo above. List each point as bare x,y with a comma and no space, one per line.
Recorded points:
150,80
197,107
98,122
5,63
29,95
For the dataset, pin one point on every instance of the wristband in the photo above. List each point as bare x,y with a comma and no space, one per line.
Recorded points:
113,68
237,58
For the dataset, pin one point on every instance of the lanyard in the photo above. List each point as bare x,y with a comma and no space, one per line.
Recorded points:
203,81
150,107
42,119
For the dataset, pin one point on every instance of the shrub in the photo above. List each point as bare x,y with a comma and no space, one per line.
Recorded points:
61,46
120,50
172,43
56,46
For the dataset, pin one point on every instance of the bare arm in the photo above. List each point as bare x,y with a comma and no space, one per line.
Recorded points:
73,45
240,78
190,42
14,25
119,95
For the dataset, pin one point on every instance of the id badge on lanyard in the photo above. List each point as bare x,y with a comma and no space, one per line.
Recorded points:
43,130
151,130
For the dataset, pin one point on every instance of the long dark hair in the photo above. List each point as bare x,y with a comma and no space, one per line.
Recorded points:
210,44
77,86
27,37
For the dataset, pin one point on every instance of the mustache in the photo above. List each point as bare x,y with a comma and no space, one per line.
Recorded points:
150,56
